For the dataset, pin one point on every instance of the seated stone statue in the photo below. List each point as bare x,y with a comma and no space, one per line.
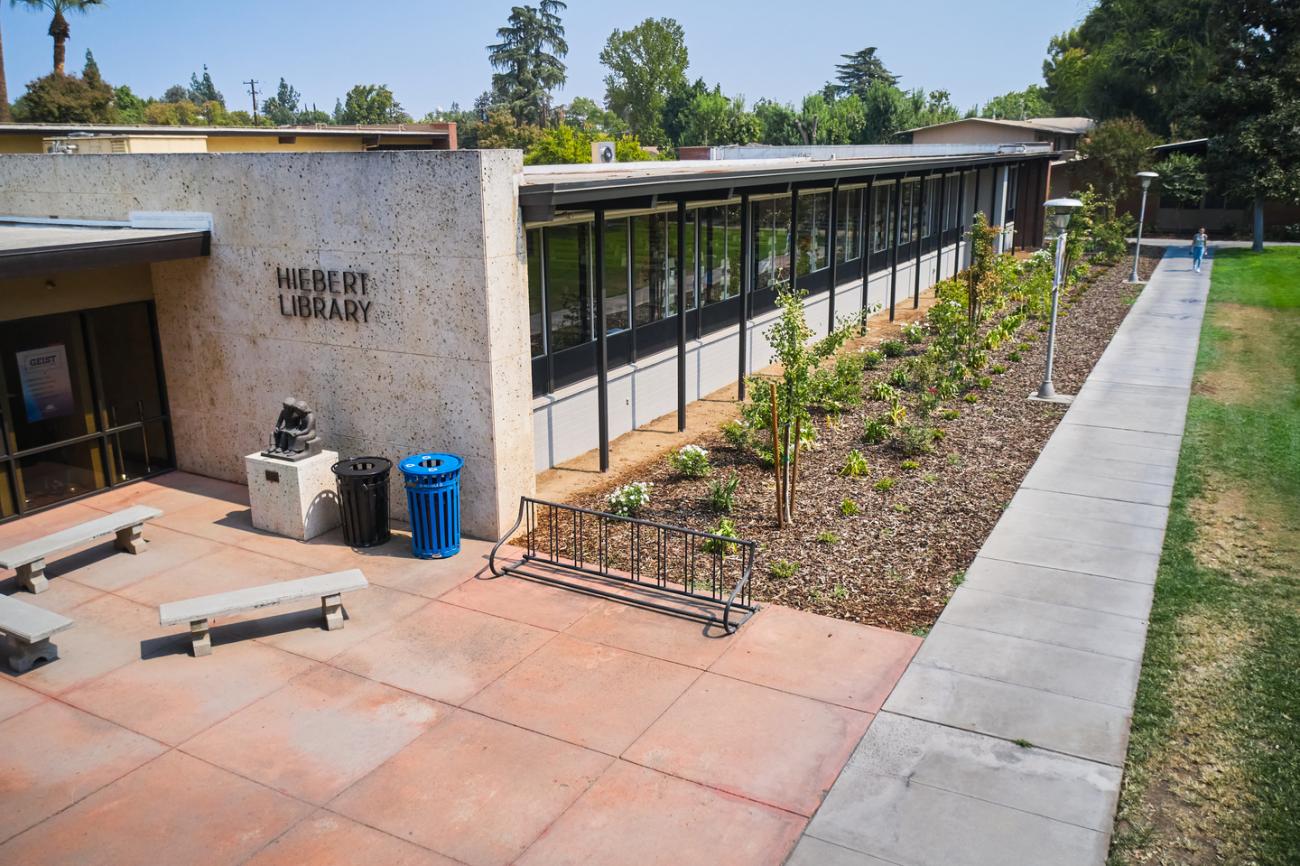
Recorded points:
294,437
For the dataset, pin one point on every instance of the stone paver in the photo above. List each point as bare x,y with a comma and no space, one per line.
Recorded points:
590,732
1004,740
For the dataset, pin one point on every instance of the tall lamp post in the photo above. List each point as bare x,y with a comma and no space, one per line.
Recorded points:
1060,209
1146,178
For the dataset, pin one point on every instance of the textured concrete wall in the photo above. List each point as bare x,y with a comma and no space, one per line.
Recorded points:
442,363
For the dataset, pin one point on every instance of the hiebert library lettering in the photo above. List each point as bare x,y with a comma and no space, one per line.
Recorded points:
525,315
313,284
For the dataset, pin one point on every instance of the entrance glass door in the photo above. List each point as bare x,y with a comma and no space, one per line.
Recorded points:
84,405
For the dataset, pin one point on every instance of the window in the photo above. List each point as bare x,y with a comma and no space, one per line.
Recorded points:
1013,182
848,225
930,207
650,290
616,276
771,234
719,248
909,230
812,240
535,312
882,216
951,206
567,267
671,263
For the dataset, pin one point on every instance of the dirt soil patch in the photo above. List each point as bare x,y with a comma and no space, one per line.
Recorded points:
1251,340
895,563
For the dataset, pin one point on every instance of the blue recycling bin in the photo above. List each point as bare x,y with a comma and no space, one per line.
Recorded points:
433,502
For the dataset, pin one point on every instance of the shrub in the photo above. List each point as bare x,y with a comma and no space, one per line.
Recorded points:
913,333
913,440
690,461
838,387
950,414
897,413
629,499
910,465
855,465
735,434
849,508
875,431
722,494
783,569
984,382
1014,356
893,348
972,397
883,391
827,538
901,508
946,390
717,546
884,485
998,369
927,403
871,359
898,377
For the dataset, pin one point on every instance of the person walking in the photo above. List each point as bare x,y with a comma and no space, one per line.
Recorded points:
1199,243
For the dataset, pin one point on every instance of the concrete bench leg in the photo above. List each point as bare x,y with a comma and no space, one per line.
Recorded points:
32,576
129,539
200,639
332,607
23,655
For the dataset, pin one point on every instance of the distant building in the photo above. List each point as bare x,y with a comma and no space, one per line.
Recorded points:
96,138
1063,133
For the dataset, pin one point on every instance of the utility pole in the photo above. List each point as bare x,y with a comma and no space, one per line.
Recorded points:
252,91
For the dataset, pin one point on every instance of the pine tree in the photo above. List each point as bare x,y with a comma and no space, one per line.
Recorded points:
528,60
203,90
859,71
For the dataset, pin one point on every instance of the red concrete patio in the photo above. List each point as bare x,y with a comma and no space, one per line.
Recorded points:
456,718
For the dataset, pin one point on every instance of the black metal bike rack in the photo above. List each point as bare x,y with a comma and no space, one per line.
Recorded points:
706,575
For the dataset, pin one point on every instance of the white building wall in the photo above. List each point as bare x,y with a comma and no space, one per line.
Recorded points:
565,423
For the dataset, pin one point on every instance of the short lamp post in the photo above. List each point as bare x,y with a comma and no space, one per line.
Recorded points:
1061,209
1146,177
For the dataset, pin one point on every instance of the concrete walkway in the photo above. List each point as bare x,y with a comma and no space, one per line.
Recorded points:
1003,742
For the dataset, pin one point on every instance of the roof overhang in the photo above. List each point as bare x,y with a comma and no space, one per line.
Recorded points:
31,247
582,188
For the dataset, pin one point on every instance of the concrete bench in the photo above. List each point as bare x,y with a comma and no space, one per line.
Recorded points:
29,558
27,629
198,612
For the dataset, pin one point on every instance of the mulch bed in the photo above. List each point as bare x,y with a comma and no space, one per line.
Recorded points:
896,562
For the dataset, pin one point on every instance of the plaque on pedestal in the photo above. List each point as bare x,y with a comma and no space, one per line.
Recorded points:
294,498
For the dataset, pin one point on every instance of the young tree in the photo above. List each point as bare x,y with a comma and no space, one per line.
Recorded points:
1251,106
858,72
202,90
646,64
1116,150
282,108
528,58
369,104
59,30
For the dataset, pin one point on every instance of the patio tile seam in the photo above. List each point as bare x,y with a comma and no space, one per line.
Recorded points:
1071,571
369,826
1007,682
1174,448
1143,620
1035,640
1095,466
1096,499
1153,428
912,780
844,847
1060,535
1016,534
1052,489
992,736
805,817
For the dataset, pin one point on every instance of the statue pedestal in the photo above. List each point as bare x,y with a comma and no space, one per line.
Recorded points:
296,499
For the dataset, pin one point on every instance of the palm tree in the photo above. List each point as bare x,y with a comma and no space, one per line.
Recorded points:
5,115
59,29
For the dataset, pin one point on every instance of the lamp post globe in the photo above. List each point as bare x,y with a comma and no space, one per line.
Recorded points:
1146,177
1061,209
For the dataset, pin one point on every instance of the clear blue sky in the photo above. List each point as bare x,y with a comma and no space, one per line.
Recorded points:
431,52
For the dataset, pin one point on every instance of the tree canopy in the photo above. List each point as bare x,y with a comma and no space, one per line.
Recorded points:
858,72
646,64
370,103
529,59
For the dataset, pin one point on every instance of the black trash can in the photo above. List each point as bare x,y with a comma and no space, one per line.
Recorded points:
363,499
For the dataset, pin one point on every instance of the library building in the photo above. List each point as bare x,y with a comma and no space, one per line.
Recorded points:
157,308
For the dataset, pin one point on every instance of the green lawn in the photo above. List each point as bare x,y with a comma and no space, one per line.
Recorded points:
1213,772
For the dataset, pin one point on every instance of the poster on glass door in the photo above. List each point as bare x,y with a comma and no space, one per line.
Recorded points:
47,389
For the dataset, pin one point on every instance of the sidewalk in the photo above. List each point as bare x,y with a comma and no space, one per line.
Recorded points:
1004,741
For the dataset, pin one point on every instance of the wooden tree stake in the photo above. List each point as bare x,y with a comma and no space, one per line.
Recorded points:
776,459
